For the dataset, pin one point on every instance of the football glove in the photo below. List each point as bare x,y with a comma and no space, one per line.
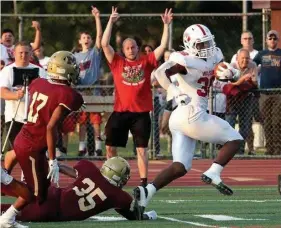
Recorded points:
53,171
228,73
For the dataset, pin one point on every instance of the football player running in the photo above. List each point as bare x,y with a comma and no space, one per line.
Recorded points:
51,101
92,192
194,71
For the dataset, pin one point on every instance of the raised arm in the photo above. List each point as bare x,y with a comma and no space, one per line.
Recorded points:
38,35
167,17
107,49
96,14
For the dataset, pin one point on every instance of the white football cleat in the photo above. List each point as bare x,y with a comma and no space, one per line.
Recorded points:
11,224
215,180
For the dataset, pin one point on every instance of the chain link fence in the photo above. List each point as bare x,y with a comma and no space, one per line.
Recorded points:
255,114
259,129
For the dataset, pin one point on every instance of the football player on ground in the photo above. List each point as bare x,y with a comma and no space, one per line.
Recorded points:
194,70
51,101
93,191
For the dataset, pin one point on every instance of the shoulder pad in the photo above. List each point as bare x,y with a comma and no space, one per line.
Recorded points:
178,57
218,55
185,60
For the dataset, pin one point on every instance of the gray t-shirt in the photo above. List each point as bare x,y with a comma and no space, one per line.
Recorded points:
89,64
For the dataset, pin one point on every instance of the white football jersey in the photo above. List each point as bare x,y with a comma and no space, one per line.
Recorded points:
199,76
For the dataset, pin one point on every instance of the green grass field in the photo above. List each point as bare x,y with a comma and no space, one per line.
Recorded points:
196,207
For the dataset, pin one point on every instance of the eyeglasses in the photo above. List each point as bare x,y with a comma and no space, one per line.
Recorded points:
247,38
272,38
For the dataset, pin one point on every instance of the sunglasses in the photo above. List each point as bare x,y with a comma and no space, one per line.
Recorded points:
272,38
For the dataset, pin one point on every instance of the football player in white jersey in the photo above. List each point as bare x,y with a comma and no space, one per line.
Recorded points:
194,71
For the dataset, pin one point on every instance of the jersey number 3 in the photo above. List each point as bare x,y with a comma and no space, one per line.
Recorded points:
32,117
205,84
86,202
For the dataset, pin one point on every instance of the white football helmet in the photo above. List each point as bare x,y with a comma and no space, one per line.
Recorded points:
199,41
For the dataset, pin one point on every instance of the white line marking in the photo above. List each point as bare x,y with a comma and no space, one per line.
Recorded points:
108,218
182,201
186,222
224,218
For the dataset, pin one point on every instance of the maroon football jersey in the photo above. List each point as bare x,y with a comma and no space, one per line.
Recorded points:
91,194
45,97
88,195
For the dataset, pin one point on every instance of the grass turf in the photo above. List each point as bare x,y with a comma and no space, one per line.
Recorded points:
184,207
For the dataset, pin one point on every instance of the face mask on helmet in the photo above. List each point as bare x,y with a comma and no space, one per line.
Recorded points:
117,171
198,41
62,66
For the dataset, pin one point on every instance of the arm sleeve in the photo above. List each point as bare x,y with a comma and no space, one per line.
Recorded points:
83,167
116,59
152,60
71,100
6,78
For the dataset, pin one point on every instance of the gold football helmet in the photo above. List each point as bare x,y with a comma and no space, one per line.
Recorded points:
117,171
62,66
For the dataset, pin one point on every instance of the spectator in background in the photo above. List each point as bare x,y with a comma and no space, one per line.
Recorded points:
247,42
39,53
133,97
11,94
146,49
239,100
270,101
8,40
89,60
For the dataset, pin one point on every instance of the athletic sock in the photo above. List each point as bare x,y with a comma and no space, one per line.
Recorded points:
151,190
10,214
215,168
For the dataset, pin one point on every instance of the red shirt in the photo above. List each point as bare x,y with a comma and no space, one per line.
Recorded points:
132,83
45,97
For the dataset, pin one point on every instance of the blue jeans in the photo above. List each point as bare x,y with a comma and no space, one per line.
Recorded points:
243,109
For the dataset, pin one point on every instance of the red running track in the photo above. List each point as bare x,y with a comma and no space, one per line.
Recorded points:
236,173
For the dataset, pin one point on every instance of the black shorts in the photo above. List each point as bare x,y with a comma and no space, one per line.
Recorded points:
14,131
118,126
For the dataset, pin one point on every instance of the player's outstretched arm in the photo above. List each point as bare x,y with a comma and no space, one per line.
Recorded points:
167,17
67,170
96,14
107,49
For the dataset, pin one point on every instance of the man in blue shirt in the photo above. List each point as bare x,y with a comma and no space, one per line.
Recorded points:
270,101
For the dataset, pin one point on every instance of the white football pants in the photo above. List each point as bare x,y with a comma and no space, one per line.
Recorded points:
187,125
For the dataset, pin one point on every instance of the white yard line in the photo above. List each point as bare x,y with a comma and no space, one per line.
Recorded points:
186,222
182,201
